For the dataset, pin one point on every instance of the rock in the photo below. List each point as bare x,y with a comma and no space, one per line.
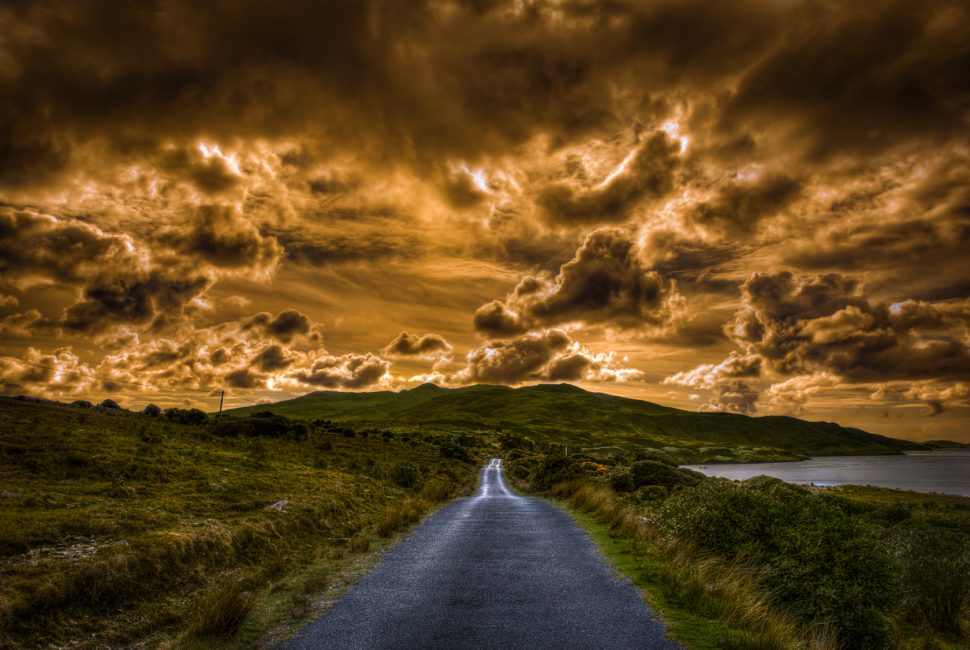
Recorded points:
279,506
81,404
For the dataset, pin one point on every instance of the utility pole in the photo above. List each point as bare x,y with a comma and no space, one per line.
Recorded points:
222,396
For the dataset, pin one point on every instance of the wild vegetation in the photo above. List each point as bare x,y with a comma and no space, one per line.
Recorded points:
176,527
770,565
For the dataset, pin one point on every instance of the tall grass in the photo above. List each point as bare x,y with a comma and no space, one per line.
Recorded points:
728,591
221,611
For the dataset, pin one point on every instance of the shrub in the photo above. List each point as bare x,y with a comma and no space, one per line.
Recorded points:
82,404
185,416
263,425
554,469
621,482
652,472
405,475
935,566
152,410
454,449
814,557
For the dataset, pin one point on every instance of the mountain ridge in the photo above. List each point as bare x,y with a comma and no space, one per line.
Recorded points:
568,414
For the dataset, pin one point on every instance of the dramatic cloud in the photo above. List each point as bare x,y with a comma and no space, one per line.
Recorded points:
547,355
825,330
191,193
733,397
605,282
709,375
738,208
818,323
346,371
59,374
220,237
428,346
646,173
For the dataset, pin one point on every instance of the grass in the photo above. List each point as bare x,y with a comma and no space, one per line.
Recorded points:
117,528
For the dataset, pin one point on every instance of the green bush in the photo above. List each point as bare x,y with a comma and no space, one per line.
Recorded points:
621,482
185,416
554,469
819,562
453,449
152,410
260,425
935,567
652,472
405,475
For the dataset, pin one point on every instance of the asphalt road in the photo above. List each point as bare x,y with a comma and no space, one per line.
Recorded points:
494,570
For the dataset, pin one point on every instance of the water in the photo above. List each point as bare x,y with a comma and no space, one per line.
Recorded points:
945,471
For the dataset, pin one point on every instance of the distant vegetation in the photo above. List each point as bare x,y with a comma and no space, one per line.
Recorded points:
772,564
117,526
569,415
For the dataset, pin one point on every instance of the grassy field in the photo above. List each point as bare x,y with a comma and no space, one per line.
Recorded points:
567,415
116,527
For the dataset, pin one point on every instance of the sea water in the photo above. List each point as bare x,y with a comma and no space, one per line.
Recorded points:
943,471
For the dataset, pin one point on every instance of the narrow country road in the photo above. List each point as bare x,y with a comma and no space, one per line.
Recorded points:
494,570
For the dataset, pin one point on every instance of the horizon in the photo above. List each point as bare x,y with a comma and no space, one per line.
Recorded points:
251,404
370,197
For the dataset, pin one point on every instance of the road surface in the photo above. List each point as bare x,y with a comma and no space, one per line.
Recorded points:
494,570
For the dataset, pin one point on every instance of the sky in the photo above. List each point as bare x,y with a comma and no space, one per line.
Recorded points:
760,207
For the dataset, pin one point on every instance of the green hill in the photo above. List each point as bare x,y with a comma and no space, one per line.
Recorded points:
566,414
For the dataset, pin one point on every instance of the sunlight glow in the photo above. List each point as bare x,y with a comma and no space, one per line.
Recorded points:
620,169
478,177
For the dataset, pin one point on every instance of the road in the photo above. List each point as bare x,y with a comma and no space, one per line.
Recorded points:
495,570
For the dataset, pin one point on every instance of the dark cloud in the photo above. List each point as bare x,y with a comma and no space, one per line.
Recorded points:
221,237
648,174
605,282
826,323
132,299
406,344
61,373
284,326
342,249
854,79
348,371
245,378
566,70
570,368
514,361
546,355
210,174
733,397
738,208
34,245
272,358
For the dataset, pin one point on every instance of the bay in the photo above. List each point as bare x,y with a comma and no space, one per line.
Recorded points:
943,471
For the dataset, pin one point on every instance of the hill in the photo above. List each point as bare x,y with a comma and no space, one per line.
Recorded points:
568,415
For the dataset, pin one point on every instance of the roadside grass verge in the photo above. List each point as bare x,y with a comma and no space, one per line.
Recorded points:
117,528
706,602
